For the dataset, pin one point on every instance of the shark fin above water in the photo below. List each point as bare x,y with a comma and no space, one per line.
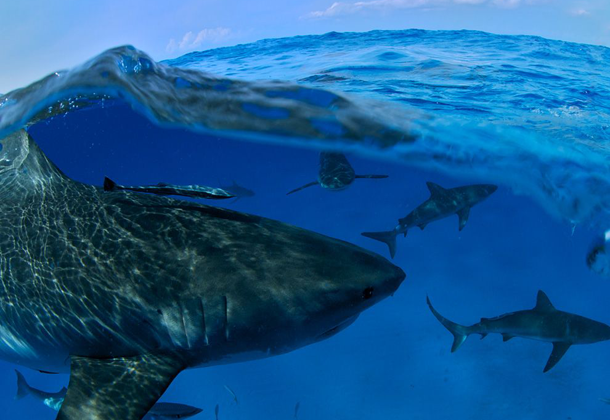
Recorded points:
543,303
97,384
435,189
311,184
463,215
559,349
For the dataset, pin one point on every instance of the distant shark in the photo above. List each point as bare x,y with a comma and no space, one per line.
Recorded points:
238,191
543,323
335,173
443,202
192,191
125,290
54,400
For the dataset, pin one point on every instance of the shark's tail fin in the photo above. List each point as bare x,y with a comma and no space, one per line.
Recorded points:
23,389
387,237
460,332
109,184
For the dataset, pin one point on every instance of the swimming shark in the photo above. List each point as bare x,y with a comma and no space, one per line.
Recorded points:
126,290
335,173
54,400
443,202
238,191
192,191
542,323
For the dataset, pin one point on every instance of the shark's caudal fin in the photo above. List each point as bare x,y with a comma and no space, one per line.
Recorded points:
23,389
387,237
109,184
460,332
371,176
311,184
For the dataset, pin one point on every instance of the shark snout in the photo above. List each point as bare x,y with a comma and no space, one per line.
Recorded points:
490,188
393,278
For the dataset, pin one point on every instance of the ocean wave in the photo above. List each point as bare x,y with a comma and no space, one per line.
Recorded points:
527,112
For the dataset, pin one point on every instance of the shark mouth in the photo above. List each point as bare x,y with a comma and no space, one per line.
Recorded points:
337,329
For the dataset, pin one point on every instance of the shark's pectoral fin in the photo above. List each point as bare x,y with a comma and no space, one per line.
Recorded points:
506,337
559,349
120,388
311,184
463,215
422,226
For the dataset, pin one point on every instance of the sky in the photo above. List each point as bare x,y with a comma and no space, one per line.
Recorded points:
40,37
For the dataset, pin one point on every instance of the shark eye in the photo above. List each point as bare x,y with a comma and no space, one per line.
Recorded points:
367,293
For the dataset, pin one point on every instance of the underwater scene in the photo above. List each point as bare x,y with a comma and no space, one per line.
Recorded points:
375,225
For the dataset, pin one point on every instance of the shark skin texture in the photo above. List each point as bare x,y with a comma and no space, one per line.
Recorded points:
542,323
125,290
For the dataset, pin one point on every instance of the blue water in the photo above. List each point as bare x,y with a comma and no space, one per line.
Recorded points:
454,108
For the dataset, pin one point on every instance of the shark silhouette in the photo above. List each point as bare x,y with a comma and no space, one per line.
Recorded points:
442,203
335,173
543,323
125,290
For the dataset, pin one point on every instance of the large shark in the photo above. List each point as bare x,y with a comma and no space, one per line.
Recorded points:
125,290
443,202
335,173
543,323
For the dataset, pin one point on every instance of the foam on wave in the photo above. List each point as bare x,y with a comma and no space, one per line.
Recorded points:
526,112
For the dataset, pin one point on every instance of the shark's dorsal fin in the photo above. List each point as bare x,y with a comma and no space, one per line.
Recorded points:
543,303
559,349
435,189
98,385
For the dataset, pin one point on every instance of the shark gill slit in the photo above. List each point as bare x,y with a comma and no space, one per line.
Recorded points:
225,303
186,334
205,334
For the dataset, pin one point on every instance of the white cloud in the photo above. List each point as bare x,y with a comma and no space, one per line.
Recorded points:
191,41
340,8
507,3
344,8
580,12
